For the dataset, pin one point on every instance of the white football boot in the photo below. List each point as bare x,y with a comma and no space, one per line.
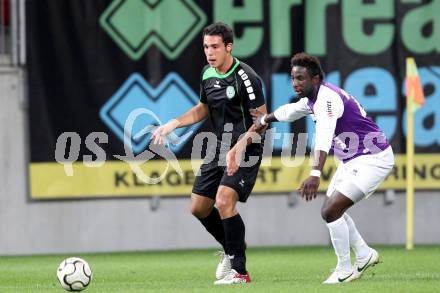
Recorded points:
362,264
233,277
224,266
339,276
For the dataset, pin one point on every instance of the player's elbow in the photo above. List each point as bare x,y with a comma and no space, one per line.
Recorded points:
323,147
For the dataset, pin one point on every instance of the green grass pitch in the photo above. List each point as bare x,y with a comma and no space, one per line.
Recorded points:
290,269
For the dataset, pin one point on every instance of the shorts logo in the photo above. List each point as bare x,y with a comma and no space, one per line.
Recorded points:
230,92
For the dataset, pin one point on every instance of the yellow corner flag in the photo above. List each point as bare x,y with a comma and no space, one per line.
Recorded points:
414,100
414,90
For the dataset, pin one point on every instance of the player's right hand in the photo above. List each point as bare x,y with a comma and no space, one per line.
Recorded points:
232,164
309,188
160,134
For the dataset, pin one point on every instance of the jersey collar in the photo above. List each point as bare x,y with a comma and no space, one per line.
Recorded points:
211,72
234,65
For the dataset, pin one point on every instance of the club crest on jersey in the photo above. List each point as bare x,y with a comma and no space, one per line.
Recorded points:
230,92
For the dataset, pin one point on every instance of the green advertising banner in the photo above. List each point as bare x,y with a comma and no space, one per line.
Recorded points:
93,63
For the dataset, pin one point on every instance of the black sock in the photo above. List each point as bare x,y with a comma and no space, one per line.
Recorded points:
235,245
214,225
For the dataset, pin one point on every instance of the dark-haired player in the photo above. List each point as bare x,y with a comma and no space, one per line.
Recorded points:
229,90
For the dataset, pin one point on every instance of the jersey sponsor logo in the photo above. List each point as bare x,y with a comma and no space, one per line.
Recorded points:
329,109
230,92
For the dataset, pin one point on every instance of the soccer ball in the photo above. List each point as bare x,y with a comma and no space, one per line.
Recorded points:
74,274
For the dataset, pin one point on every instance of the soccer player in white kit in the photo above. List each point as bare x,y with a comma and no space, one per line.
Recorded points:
365,154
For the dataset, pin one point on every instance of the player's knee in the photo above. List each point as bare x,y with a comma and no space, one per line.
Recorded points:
222,204
326,213
199,212
225,201
330,214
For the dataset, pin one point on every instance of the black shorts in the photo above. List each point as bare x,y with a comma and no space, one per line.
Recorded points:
211,176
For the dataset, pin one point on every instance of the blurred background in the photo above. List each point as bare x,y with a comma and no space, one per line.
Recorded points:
72,71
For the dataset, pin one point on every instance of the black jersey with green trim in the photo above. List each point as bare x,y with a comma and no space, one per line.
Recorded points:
230,97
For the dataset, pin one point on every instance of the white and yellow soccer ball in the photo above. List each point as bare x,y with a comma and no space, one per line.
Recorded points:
74,274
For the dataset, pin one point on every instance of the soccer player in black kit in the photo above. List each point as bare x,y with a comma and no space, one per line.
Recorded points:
230,90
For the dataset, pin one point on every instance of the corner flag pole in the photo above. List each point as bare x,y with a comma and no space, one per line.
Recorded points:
409,174
414,100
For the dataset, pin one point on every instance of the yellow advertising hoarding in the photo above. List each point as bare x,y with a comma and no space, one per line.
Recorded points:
278,175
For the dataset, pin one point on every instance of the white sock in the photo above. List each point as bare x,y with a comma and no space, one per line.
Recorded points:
340,240
358,244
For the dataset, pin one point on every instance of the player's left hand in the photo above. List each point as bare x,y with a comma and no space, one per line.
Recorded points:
309,188
233,159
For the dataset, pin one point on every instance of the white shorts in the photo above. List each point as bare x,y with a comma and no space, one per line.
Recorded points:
359,178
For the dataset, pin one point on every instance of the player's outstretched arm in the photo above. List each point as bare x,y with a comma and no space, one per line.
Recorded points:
285,113
194,115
